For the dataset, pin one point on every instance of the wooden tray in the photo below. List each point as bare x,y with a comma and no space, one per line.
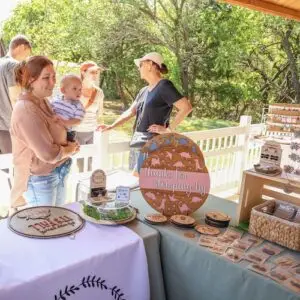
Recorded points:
45,222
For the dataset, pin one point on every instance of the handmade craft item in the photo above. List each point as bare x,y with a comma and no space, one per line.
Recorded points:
156,218
293,283
262,269
241,245
182,220
280,275
45,222
207,241
98,192
256,257
208,230
233,255
286,261
270,159
282,120
173,178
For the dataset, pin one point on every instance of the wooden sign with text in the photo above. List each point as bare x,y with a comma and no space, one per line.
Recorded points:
174,178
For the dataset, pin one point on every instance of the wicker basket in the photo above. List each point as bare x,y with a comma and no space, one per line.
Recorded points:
274,229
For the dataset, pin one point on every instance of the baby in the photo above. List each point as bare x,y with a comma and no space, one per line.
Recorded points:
69,108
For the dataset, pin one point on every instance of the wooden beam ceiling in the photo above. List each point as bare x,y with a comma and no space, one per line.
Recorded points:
286,9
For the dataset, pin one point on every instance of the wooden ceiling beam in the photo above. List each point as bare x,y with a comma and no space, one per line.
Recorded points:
267,7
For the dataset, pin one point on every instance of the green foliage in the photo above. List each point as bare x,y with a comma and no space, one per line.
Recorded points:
229,61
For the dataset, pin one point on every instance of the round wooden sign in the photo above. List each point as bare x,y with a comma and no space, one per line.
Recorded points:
45,222
174,178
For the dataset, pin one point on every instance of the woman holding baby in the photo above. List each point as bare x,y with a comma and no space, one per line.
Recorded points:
41,152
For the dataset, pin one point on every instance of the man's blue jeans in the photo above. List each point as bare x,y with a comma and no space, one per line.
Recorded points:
49,189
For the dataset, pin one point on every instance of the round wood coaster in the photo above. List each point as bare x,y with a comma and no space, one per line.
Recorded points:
182,220
45,222
156,218
208,230
217,216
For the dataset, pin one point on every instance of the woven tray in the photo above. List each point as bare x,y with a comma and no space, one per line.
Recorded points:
45,222
274,229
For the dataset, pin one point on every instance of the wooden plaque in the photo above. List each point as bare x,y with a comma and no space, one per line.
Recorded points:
45,222
174,178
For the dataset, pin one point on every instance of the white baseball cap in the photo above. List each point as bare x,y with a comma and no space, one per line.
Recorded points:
153,56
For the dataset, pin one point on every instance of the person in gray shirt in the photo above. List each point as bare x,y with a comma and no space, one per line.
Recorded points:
19,49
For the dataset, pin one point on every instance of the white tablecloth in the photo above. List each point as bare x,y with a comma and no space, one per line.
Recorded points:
102,262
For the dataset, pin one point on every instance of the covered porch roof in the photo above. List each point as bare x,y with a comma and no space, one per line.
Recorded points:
285,8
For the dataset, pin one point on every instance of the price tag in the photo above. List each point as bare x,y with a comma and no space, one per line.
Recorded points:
123,194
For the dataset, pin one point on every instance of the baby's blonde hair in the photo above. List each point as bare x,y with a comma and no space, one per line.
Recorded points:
67,79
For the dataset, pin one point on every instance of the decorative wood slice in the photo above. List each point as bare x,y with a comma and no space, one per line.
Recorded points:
174,180
208,230
45,222
156,218
182,220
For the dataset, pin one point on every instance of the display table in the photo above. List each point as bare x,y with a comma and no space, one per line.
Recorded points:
255,186
192,272
101,262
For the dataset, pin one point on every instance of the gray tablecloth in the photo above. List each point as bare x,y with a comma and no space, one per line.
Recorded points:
191,272
151,239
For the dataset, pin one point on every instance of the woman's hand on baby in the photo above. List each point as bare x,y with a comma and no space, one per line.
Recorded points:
59,120
158,129
104,127
73,147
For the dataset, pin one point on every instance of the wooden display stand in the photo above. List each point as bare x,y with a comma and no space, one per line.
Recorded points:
258,187
283,119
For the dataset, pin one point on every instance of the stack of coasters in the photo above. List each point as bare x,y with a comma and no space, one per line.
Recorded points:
182,221
156,219
217,219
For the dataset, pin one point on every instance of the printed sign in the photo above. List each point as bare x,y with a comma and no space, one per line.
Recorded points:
123,194
174,178
98,184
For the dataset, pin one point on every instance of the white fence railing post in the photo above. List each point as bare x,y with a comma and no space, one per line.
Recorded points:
242,156
101,142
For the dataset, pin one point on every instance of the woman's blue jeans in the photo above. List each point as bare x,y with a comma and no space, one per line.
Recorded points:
48,189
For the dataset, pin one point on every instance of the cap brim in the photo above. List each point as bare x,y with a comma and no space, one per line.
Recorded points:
137,62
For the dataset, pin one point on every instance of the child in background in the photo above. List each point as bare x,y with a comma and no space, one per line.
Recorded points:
69,108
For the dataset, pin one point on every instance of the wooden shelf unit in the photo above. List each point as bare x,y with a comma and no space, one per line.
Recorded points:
257,188
283,119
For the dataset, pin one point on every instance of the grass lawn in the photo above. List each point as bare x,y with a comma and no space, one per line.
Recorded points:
113,111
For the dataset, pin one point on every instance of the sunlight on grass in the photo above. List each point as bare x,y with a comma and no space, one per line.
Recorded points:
189,124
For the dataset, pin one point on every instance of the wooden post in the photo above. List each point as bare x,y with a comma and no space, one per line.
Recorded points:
242,156
101,158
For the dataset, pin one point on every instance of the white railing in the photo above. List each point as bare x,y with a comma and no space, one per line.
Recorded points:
227,151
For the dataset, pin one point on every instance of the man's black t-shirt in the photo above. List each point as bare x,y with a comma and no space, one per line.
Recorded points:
158,105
